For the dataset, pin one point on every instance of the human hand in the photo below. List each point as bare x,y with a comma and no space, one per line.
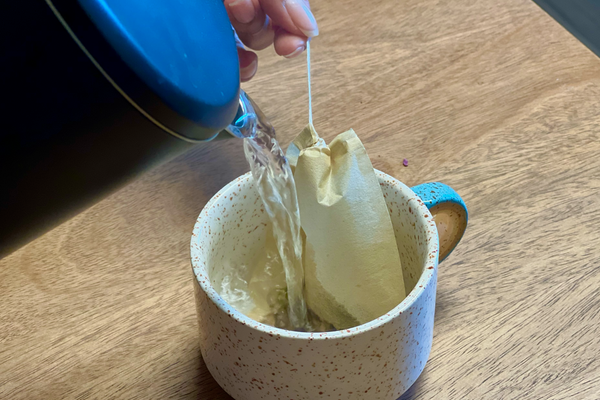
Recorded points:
287,24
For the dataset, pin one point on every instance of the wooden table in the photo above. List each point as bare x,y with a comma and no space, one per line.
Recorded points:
493,98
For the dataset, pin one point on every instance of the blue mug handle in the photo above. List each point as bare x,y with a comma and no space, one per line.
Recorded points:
449,213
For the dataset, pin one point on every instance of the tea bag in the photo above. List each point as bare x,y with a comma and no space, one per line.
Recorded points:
351,262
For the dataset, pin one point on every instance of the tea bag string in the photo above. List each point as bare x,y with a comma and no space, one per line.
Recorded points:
310,115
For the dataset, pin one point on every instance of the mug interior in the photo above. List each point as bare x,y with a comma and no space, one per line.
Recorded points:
231,230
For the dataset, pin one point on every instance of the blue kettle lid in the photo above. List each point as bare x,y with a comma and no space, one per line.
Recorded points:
184,50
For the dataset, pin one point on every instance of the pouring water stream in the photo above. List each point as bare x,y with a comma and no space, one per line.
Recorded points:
275,183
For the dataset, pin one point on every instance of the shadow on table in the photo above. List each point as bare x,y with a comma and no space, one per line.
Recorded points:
415,389
207,387
204,170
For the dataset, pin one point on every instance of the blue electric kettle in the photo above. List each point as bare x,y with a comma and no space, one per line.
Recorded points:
97,91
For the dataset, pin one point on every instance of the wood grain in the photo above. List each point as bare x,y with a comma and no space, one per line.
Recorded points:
493,98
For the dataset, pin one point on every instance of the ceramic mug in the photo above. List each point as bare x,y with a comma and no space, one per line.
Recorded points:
377,360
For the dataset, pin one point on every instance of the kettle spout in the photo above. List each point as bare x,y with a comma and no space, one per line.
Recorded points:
249,119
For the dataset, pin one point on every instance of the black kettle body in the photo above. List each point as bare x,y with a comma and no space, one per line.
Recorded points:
84,113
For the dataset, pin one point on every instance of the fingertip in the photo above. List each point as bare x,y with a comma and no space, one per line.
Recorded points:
279,14
243,11
261,39
302,17
246,75
248,64
289,45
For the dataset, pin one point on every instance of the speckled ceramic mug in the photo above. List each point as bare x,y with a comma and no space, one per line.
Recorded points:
377,360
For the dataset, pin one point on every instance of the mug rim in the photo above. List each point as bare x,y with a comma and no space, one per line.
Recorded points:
429,270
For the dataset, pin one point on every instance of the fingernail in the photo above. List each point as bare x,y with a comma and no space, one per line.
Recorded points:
248,71
242,11
302,17
295,52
